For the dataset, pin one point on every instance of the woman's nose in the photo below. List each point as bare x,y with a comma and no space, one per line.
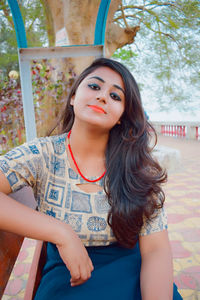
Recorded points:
102,97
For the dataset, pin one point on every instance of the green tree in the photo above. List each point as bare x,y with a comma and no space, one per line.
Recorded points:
35,24
165,52
158,39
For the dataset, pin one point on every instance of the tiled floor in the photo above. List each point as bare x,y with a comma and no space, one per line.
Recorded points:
183,207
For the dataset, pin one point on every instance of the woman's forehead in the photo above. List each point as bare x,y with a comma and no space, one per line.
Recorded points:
107,75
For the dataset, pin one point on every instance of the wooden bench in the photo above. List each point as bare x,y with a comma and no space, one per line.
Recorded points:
10,245
9,249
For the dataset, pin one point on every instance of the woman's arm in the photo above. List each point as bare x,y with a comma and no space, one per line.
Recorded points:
156,276
18,218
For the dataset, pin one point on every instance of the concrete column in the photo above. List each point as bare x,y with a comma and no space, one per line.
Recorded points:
191,132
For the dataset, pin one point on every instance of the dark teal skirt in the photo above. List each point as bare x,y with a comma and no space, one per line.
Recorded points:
116,276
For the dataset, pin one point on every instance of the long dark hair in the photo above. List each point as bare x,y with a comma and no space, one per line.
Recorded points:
133,178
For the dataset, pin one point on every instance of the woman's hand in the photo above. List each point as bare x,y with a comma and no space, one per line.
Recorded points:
75,257
20,219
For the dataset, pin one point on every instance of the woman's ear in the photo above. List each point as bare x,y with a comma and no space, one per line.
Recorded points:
72,100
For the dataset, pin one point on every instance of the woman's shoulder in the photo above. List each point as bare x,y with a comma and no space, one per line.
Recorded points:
58,139
55,143
39,146
158,222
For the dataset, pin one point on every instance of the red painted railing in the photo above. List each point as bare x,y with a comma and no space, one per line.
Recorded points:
198,132
174,130
189,130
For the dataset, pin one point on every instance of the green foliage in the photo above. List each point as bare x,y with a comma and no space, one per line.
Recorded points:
165,47
8,44
125,53
11,113
48,95
35,24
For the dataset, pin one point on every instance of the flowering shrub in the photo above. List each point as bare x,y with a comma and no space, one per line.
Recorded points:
11,113
49,96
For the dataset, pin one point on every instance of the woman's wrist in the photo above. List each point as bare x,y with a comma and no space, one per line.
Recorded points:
63,233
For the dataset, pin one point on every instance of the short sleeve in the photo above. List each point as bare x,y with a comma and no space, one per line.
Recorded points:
158,223
23,165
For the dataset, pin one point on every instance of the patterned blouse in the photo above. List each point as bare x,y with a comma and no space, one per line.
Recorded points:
43,164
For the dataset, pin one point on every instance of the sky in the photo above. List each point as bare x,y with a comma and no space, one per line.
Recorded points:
186,110
175,115
181,101
191,111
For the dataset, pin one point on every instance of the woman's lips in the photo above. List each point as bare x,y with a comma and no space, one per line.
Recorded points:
97,109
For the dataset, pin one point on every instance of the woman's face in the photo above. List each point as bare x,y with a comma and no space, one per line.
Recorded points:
100,99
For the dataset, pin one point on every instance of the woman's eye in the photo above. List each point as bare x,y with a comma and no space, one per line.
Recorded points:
94,86
115,96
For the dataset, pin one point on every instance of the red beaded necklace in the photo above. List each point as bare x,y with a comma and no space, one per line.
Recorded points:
70,150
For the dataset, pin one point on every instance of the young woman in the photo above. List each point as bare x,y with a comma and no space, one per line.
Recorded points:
98,189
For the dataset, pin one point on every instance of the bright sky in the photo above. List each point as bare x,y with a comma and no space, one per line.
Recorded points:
175,115
191,111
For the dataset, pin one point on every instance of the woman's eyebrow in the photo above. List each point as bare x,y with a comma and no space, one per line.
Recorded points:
100,79
97,77
118,87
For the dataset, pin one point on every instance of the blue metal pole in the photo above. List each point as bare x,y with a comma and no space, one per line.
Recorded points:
100,28
19,24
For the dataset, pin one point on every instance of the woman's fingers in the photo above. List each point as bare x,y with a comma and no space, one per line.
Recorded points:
81,274
91,265
85,273
77,282
76,259
75,273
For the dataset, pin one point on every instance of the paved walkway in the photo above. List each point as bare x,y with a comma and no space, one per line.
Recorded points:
183,207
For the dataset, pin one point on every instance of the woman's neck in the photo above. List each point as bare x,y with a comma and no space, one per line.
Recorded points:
88,142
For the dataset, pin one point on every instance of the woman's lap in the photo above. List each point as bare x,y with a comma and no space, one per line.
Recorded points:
116,275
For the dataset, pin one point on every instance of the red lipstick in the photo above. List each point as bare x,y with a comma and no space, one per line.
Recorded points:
97,109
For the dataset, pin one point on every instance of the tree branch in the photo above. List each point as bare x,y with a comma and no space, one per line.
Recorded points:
127,16
30,26
145,10
165,34
142,7
6,12
124,18
142,13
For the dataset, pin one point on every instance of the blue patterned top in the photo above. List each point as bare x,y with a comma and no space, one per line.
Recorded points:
43,164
